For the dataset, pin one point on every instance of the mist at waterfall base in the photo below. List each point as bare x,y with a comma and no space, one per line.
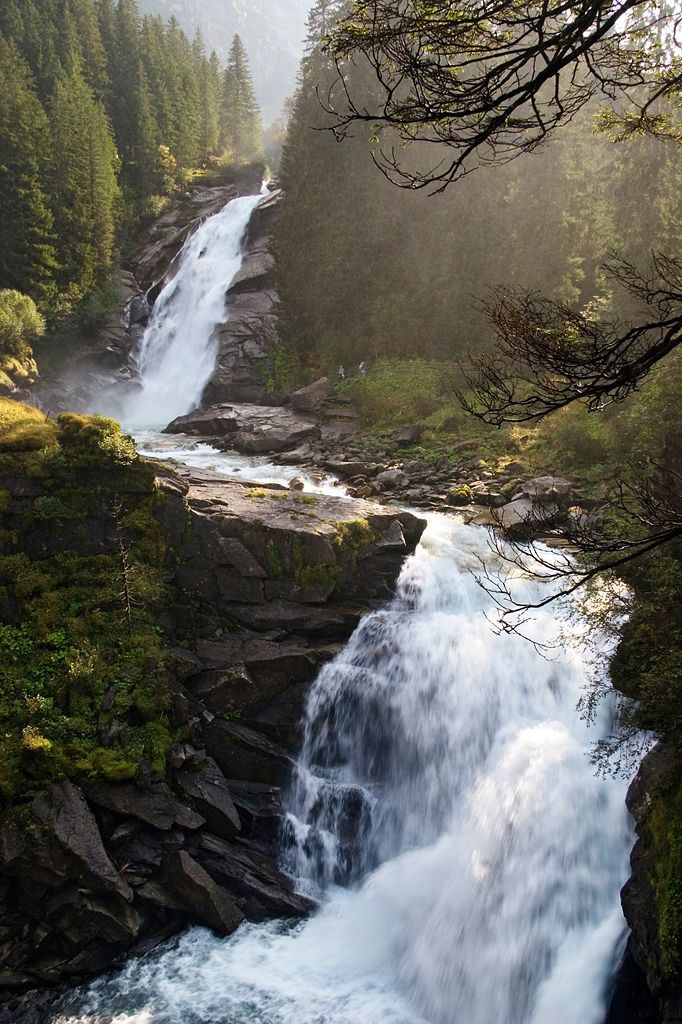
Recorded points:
177,355
468,859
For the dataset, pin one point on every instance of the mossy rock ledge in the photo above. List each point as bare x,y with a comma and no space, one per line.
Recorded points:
649,986
146,745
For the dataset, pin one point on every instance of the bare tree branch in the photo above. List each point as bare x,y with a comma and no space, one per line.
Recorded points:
490,79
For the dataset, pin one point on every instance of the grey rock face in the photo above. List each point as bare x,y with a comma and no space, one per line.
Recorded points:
252,429
248,336
203,898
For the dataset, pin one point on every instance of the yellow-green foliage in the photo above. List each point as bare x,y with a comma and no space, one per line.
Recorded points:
400,391
93,440
20,325
352,539
23,428
647,665
260,494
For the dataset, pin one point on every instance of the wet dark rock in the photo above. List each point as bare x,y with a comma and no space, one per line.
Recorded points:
67,822
260,809
204,900
657,782
247,874
151,802
206,787
243,753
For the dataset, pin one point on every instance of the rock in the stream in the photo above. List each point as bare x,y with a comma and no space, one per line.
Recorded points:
548,490
252,429
521,519
391,478
248,875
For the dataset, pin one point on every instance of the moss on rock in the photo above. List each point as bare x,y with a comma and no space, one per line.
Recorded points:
85,686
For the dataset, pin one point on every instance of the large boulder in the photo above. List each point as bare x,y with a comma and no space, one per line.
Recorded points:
256,430
548,490
311,398
150,801
66,820
205,900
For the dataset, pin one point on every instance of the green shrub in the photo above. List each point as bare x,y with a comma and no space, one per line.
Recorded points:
20,326
401,391
91,441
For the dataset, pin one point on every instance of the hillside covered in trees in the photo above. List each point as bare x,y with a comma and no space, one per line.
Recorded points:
272,31
103,114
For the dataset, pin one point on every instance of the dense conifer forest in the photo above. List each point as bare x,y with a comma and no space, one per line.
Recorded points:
103,114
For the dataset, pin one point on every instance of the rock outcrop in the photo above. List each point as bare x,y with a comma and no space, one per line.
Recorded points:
652,900
248,336
254,429
264,585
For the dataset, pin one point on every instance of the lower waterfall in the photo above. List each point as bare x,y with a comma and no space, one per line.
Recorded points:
467,859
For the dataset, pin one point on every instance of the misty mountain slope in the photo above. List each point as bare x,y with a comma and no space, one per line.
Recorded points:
272,31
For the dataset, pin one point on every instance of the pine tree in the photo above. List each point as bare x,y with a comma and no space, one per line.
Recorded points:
242,133
27,255
84,169
209,75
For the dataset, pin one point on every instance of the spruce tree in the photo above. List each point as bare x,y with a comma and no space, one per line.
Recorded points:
242,133
84,167
27,255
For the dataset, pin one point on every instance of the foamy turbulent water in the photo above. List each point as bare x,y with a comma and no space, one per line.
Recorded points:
468,860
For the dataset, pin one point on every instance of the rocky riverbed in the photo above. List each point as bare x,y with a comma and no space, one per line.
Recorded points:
306,432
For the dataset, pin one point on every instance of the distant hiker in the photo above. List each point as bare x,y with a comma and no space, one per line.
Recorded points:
362,369
342,373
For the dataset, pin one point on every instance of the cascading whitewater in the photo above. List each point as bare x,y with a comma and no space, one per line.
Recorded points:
178,352
469,859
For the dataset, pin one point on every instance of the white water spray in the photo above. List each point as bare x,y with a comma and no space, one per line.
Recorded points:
178,352
444,805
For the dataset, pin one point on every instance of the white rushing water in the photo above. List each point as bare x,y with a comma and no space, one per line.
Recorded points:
178,351
198,455
470,861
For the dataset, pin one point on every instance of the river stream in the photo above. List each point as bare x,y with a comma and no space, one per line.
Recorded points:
444,810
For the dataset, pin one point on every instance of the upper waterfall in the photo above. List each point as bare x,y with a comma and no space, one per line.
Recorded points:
178,352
